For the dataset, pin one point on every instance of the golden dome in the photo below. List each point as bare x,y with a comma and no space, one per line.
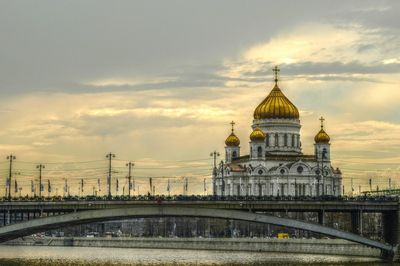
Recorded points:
232,139
322,136
276,105
257,135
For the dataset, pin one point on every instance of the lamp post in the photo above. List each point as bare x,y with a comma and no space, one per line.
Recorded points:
222,179
109,156
11,158
214,154
130,165
40,167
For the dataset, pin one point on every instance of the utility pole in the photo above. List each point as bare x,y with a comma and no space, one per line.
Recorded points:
214,154
40,167
109,156
11,158
130,165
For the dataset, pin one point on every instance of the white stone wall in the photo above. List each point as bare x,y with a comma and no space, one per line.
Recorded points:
273,178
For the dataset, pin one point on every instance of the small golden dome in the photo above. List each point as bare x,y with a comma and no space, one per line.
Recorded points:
232,140
322,136
257,135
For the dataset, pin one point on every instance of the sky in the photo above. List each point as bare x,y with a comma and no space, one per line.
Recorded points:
158,82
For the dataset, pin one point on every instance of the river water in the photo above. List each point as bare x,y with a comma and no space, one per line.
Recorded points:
86,256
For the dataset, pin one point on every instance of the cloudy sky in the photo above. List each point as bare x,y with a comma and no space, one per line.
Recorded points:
157,82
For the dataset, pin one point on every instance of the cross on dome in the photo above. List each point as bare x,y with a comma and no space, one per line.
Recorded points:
322,121
233,124
276,71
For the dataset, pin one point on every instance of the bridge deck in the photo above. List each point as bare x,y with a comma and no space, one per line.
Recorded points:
290,206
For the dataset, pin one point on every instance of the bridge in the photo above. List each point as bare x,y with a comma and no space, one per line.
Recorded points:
22,218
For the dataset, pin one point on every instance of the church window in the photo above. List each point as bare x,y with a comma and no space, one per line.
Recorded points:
300,169
267,140
276,140
282,171
259,152
285,140
293,140
282,189
234,154
324,152
260,172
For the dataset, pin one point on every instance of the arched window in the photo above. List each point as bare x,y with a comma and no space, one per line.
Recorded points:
234,154
259,152
298,141
285,140
267,141
276,139
324,152
293,145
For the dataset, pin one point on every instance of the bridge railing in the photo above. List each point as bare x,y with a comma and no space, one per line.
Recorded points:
164,198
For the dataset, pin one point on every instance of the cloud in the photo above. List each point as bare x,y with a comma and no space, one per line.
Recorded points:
159,91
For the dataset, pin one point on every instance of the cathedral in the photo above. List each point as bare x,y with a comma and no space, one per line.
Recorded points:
276,165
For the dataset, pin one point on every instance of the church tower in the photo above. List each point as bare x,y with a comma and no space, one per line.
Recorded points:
278,117
322,145
257,144
232,148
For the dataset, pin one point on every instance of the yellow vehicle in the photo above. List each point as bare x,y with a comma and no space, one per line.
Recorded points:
283,235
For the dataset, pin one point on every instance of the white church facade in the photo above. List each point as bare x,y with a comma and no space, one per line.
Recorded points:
275,165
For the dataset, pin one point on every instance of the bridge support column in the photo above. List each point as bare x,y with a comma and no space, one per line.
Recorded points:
391,230
357,222
321,219
390,223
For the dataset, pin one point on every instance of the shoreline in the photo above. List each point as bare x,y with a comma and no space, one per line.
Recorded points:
300,246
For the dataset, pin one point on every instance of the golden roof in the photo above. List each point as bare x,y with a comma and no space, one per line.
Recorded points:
232,140
276,105
322,136
257,135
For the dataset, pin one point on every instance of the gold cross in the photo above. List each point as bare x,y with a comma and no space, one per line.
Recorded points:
276,71
232,123
322,121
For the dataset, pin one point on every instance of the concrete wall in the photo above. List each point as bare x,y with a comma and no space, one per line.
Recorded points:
309,246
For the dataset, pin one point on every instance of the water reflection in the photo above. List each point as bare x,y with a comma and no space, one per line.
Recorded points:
78,256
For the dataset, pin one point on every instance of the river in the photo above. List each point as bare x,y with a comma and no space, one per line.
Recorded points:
77,256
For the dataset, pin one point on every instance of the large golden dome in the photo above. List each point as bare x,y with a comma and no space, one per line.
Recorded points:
257,135
232,140
276,105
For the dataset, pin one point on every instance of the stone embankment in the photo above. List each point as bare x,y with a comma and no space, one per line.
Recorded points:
308,246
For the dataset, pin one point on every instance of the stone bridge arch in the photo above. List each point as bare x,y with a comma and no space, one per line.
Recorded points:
53,222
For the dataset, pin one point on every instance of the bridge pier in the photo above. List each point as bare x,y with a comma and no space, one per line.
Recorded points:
390,224
321,219
357,222
391,231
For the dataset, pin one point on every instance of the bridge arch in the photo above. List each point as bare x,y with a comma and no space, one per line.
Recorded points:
53,222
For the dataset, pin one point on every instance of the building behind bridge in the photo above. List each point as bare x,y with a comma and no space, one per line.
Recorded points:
276,165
